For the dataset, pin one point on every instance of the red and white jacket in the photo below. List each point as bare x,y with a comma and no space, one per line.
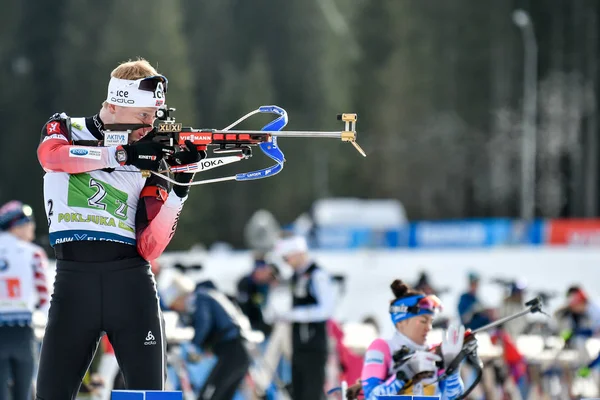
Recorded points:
90,196
23,282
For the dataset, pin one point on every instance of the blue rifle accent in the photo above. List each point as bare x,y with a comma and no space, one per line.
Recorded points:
270,148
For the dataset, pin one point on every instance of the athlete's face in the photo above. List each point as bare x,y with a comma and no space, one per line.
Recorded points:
416,328
296,260
262,274
133,115
578,308
474,286
179,304
25,231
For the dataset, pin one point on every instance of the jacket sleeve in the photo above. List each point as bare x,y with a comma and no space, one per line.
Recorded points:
452,387
40,266
467,307
374,376
203,319
157,216
56,153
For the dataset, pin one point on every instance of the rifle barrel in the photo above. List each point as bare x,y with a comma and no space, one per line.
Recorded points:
532,306
296,134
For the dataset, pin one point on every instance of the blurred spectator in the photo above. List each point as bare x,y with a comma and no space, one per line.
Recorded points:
512,304
220,328
580,317
349,362
425,286
472,313
312,306
253,292
156,268
515,361
23,289
372,322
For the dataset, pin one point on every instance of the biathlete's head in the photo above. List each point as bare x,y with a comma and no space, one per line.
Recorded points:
135,91
412,311
17,218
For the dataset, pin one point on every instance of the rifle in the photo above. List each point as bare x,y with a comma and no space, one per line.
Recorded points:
237,144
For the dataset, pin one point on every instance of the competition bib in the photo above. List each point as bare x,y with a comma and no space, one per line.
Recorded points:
96,205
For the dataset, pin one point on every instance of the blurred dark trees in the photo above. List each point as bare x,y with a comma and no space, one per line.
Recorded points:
438,87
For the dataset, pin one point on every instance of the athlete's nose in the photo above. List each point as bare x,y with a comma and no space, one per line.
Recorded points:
149,119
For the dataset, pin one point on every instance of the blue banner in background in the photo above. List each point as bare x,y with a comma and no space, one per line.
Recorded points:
352,238
473,233
531,233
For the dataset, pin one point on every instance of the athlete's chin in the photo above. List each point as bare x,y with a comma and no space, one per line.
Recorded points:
135,136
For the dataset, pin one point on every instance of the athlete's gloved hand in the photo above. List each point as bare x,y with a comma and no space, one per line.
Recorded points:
182,177
584,372
145,155
452,342
418,362
566,335
188,156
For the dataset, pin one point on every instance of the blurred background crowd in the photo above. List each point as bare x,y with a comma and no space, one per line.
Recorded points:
551,356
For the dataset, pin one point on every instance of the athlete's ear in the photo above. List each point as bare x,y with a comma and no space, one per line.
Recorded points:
111,108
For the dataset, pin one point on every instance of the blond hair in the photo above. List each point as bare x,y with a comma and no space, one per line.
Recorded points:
132,70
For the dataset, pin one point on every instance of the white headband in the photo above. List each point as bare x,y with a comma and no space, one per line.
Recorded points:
126,93
290,245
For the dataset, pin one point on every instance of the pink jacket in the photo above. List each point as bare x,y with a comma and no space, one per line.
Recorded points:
379,378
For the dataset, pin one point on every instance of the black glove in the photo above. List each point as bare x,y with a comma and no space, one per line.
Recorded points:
144,155
189,156
182,177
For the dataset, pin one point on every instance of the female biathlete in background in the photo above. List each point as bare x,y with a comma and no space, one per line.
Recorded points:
412,313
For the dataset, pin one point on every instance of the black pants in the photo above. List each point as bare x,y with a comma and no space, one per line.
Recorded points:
16,362
308,374
228,373
118,298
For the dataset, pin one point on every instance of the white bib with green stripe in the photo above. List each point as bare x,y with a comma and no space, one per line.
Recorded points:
96,205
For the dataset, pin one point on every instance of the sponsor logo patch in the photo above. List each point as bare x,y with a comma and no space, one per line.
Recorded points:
94,154
374,357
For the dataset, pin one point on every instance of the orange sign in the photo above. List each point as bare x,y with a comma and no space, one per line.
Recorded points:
573,232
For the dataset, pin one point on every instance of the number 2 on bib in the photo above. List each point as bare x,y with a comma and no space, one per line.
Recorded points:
91,193
95,200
